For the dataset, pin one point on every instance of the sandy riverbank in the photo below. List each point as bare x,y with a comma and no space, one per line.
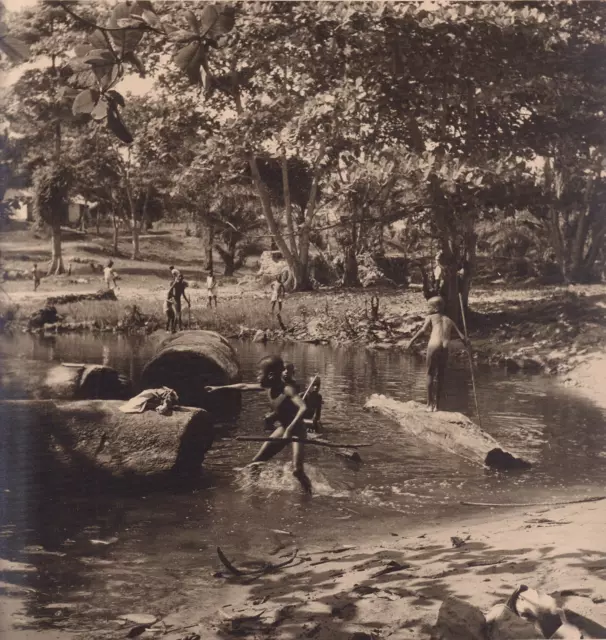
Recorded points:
332,594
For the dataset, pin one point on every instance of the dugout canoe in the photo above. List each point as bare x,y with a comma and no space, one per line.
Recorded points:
447,430
42,380
93,438
191,360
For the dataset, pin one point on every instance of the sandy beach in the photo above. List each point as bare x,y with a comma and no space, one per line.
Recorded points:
334,593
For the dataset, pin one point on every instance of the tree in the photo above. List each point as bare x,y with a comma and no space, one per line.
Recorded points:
38,111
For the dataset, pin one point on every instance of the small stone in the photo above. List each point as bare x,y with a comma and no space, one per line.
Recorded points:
598,599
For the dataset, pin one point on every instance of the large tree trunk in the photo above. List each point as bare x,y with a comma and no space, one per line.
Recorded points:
350,268
116,224
209,240
56,265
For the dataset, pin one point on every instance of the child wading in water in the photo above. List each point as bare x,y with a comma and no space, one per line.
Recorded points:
288,408
437,349
313,402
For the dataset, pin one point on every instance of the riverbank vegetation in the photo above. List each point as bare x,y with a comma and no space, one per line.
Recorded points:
385,132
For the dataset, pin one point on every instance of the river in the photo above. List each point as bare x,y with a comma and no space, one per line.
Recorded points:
129,550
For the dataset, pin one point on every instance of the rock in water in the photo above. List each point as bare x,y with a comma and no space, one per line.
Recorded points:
189,361
93,438
449,431
35,379
459,620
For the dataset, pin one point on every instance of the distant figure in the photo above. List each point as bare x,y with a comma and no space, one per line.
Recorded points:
175,273
313,401
109,275
36,276
277,293
437,349
169,311
211,287
177,291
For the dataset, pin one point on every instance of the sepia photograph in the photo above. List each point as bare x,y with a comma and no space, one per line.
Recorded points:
302,319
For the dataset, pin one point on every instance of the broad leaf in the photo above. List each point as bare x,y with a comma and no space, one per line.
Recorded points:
116,97
115,124
128,39
85,102
181,35
192,21
100,110
151,19
82,50
216,20
15,49
187,55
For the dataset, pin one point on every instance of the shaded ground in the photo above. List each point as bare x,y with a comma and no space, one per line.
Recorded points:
329,594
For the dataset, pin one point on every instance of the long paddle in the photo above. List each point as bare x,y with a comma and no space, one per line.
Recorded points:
318,442
473,380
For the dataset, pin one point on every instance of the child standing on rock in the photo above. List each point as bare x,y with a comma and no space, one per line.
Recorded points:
437,349
288,408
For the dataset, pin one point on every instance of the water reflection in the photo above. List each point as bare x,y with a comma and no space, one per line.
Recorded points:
162,541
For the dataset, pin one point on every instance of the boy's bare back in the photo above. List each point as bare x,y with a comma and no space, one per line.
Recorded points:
441,329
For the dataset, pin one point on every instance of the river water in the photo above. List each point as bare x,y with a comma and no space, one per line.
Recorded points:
129,550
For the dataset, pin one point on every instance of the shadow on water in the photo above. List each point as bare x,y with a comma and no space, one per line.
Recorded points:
129,545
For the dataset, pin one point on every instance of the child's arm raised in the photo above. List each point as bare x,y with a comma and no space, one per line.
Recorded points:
419,332
240,386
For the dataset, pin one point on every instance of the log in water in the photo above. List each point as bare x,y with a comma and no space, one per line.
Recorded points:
449,431
189,361
22,379
95,439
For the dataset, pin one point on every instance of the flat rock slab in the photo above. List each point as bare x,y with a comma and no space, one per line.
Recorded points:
449,431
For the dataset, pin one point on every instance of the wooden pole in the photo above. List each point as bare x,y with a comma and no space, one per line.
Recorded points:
310,386
320,443
473,380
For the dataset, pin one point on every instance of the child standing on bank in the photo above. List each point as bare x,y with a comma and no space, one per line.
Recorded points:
288,408
36,276
109,275
437,349
211,286
277,294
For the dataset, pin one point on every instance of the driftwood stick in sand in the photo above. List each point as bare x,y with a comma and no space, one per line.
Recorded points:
532,504
320,443
267,568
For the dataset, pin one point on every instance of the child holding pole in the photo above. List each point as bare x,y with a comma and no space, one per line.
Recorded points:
437,349
288,408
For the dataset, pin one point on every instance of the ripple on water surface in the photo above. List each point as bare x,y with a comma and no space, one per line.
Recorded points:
129,549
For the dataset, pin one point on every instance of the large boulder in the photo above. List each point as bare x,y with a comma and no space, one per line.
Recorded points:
36,379
93,438
459,620
447,430
191,360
